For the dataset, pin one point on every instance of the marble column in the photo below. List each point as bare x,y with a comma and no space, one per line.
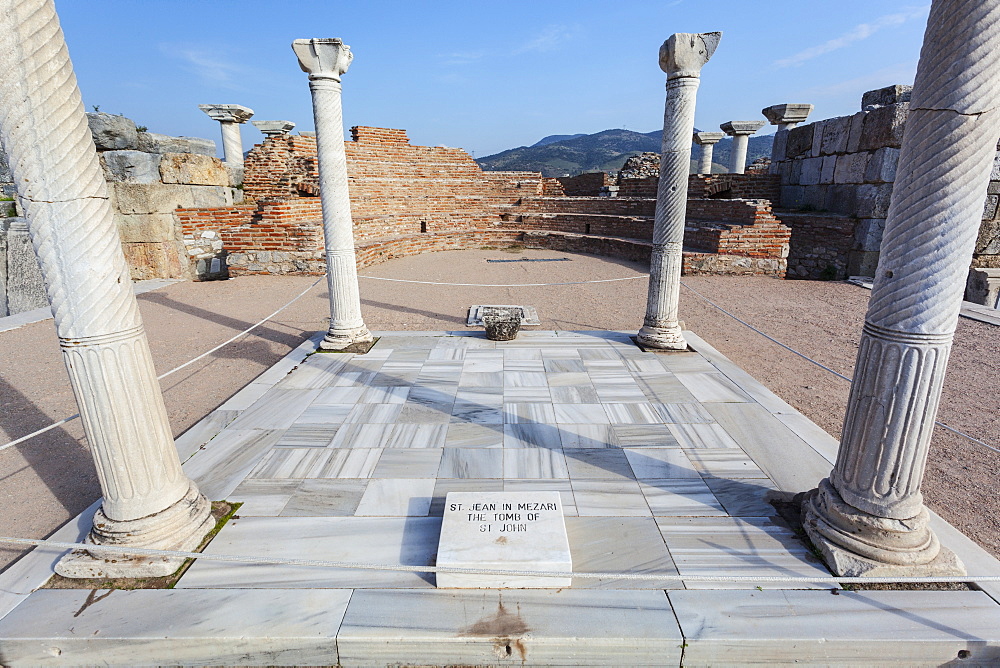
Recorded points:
707,142
148,501
786,117
682,56
230,116
740,131
326,60
868,517
273,128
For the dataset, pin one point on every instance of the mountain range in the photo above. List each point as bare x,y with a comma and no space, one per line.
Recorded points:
569,155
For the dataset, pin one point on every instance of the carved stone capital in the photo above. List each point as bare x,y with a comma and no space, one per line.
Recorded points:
273,128
734,128
326,58
707,138
787,115
227,113
685,53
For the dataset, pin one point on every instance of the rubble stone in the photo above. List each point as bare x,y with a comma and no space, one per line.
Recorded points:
193,169
113,133
151,142
131,166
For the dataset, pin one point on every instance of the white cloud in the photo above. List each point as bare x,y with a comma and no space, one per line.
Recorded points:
549,39
856,34
207,65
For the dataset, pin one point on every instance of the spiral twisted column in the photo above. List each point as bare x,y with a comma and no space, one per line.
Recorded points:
326,60
148,501
682,56
868,517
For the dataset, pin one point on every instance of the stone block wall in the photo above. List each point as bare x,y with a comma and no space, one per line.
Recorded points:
21,285
820,244
585,185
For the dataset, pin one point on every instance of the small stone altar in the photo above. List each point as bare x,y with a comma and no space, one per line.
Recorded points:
522,531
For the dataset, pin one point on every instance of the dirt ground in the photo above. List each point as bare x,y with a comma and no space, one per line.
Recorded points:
49,479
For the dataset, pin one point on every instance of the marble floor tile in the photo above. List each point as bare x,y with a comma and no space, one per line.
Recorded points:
362,436
374,413
442,628
451,354
665,390
408,463
643,436
624,392
413,435
743,497
725,463
646,365
398,497
471,463
521,354
528,413
317,463
325,498
586,436
533,463
302,434
713,387
564,365
580,413
598,354
606,367
264,498
684,413
228,458
681,497
738,546
277,409
431,375
339,395
385,540
482,396
331,414
686,363
353,378
425,413
316,371
481,379
473,435
660,463
619,545
472,412
567,379
711,436
524,379
598,463
559,351
523,366
562,486
545,436
445,485
481,364
393,378
526,395
385,395
574,394
428,394
632,413
609,498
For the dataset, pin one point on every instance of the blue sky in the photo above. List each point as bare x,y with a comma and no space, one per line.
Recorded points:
484,76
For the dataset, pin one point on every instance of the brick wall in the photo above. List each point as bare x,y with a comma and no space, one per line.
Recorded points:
735,186
820,244
586,185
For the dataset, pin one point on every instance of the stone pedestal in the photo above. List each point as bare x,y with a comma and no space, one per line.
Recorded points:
786,117
868,517
273,128
326,60
148,501
230,116
682,56
983,287
707,142
740,131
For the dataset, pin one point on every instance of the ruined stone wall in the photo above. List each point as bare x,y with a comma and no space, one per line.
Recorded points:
735,186
585,185
820,244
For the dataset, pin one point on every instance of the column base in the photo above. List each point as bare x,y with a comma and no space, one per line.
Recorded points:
341,339
854,543
181,526
663,338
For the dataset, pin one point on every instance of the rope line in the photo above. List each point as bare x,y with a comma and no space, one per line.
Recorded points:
172,371
823,366
509,285
368,566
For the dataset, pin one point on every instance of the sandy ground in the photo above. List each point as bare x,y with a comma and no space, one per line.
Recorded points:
51,478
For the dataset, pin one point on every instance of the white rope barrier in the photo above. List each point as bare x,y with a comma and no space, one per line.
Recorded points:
507,285
367,566
172,371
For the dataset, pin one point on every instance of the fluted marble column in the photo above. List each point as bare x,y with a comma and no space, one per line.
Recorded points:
273,128
682,56
868,517
740,131
786,117
148,501
230,117
707,142
326,60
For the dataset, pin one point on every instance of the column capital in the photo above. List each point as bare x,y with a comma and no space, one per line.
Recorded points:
707,138
685,53
791,113
273,128
734,128
227,113
325,58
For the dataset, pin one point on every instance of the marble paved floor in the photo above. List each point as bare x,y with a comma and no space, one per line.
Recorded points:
662,461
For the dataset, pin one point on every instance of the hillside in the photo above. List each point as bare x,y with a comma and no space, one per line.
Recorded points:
601,151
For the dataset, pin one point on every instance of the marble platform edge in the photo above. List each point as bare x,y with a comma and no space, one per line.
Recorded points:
10,322
977,560
970,310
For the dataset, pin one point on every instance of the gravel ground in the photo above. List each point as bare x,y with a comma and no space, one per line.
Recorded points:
51,478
